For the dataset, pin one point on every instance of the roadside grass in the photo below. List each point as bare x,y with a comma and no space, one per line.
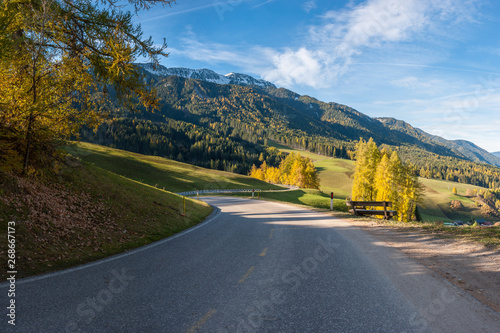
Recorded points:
86,213
488,236
161,172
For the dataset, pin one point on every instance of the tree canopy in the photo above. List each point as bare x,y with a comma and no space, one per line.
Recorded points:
293,170
381,176
58,58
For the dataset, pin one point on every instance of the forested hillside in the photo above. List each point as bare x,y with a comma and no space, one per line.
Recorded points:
227,127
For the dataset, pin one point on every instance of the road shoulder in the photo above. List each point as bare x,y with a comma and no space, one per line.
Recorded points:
469,266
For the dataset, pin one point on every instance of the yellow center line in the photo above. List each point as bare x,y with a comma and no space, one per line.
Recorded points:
263,252
246,275
202,321
271,234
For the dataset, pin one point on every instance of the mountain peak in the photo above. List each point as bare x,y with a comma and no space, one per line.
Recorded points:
206,75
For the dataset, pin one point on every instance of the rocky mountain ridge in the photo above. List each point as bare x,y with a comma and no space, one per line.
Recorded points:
207,75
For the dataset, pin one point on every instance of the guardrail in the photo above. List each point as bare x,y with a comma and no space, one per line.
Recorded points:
216,191
196,192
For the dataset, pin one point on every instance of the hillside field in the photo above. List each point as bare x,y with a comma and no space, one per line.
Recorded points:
161,172
336,176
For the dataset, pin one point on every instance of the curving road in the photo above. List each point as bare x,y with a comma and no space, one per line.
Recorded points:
253,266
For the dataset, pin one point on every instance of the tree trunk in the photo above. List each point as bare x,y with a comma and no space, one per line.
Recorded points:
28,143
410,212
31,118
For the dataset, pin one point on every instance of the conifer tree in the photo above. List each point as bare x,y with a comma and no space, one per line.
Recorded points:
310,175
272,175
398,181
367,159
359,174
296,176
378,177
256,173
384,180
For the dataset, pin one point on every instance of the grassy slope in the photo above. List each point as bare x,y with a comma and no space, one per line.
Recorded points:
161,172
438,196
334,173
304,153
86,213
335,176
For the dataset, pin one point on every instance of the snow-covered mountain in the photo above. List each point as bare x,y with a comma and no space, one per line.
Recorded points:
207,75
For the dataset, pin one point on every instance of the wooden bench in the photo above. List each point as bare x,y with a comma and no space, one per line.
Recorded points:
359,208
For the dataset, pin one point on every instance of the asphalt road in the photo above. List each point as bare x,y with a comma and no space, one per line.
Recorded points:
253,266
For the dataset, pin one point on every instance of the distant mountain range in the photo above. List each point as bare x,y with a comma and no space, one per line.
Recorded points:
329,112
226,121
497,154
207,75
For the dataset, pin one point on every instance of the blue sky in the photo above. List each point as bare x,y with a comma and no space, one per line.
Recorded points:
434,64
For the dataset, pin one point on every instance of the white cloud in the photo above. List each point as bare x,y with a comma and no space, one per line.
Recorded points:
351,33
329,50
301,66
376,22
485,135
214,53
309,5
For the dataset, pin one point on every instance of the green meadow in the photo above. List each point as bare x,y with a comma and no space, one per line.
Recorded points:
161,172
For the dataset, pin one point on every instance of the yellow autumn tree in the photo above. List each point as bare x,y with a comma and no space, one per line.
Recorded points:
382,178
56,58
256,173
367,158
272,175
294,170
410,193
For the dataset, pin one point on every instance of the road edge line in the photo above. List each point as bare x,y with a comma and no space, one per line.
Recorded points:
216,211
